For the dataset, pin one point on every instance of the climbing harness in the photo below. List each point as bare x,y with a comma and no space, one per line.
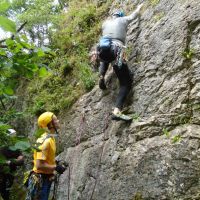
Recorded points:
120,53
27,175
34,181
34,186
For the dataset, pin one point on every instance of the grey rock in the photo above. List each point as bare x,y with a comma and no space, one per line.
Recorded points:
157,156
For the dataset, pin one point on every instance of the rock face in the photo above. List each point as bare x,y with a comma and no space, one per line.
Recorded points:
157,156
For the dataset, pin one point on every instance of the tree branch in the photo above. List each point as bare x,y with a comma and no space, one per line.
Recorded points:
19,29
13,35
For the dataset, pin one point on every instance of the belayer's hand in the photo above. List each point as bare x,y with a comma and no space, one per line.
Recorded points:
60,168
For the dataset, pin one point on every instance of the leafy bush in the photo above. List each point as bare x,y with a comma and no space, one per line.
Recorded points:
71,74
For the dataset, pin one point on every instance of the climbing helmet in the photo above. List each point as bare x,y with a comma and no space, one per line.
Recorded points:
118,13
44,119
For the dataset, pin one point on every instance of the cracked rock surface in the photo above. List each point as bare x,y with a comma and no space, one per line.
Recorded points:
157,156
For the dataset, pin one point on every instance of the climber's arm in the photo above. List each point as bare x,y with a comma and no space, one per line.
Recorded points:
134,14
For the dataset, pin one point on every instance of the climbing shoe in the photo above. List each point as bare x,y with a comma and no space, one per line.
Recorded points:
122,117
102,84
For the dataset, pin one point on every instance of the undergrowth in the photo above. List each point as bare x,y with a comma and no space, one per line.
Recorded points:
70,72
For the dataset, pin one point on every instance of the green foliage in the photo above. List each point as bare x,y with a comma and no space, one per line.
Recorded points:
37,12
71,74
154,2
173,139
166,132
7,24
188,54
11,114
176,139
41,17
21,145
136,117
4,6
14,142
82,26
181,119
87,77
4,139
53,93
19,58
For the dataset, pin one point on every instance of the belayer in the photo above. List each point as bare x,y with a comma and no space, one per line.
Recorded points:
14,158
45,165
110,49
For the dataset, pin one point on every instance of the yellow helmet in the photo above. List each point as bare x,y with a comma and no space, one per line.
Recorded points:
44,119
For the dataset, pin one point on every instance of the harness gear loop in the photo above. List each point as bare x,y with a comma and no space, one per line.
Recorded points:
120,53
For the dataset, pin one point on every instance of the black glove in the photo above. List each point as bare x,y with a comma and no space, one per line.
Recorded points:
60,168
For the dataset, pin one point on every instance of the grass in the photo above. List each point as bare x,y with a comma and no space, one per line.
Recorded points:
154,2
188,54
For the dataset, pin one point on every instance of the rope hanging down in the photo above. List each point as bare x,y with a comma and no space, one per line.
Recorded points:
79,133
106,122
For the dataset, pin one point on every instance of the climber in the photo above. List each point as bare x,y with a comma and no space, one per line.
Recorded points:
13,159
45,165
110,49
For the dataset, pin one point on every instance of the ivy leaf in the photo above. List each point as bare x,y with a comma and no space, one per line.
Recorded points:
10,43
12,148
33,67
25,45
43,72
2,52
4,6
7,24
40,53
21,145
8,90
